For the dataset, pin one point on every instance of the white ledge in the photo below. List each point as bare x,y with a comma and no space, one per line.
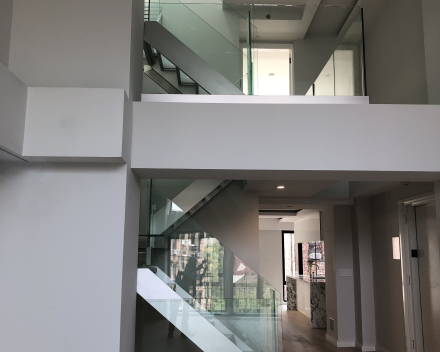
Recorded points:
252,99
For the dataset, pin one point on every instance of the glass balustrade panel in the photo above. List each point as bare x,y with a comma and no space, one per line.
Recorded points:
219,282
214,31
325,57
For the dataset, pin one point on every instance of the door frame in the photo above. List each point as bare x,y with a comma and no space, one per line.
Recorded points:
410,269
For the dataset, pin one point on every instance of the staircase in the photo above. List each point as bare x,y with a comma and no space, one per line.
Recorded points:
182,70
174,212
203,288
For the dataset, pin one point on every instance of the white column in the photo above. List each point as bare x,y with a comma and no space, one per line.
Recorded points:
343,258
363,276
68,250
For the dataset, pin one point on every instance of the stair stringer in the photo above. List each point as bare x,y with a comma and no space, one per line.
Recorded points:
188,206
187,60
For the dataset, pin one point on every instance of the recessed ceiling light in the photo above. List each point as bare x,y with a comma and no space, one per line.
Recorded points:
280,187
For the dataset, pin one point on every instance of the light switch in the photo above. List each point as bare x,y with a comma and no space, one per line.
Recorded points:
344,272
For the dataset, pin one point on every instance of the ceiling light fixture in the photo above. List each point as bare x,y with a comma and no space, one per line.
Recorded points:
280,187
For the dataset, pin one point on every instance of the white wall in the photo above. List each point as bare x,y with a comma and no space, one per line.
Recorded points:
395,53
67,257
308,230
271,261
83,44
271,224
137,42
13,96
5,30
129,264
355,137
86,124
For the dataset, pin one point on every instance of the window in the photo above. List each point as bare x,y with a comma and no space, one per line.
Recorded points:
288,244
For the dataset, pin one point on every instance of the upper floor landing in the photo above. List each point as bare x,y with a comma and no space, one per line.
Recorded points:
71,71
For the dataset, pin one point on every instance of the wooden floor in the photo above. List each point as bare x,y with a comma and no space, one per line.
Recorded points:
299,337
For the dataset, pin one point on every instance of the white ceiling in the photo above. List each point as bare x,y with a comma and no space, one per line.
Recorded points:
275,225
297,189
276,222
292,20
287,23
303,214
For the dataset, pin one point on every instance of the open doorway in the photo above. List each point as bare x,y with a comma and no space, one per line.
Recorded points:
273,71
292,251
420,258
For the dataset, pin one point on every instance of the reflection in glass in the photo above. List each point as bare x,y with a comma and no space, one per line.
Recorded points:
219,283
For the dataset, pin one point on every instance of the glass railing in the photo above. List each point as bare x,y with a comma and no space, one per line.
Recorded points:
343,73
219,282
152,10
248,45
252,326
214,32
204,329
326,56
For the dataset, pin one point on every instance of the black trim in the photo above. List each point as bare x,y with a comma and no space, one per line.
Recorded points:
284,261
363,53
149,54
283,211
179,79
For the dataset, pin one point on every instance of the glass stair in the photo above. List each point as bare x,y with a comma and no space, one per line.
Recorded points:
188,275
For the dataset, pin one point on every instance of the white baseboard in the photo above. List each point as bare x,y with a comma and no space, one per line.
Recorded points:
340,343
366,348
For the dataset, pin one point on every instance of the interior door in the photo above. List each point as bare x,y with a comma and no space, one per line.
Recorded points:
429,274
